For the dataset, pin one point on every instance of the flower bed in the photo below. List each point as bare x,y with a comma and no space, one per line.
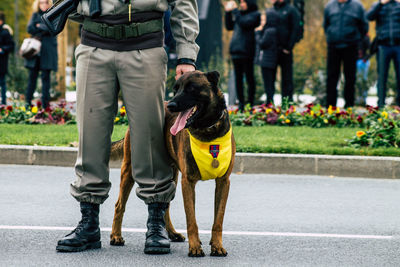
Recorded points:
55,114
382,125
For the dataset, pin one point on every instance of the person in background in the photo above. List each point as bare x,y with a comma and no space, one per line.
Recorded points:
386,13
47,59
267,54
243,21
363,64
288,32
6,47
345,26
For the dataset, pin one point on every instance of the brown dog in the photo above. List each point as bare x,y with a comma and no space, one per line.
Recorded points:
198,106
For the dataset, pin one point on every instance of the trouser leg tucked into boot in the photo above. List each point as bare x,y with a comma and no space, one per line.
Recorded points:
87,234
157,241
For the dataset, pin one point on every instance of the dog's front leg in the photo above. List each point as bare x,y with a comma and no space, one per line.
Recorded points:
221,197
124,191
188,192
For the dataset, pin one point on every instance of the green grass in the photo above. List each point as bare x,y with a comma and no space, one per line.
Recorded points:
304,140
267,139
45,135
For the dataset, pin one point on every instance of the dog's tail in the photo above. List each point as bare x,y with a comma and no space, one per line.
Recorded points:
117,150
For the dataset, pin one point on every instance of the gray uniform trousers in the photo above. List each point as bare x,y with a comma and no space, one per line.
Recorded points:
142,76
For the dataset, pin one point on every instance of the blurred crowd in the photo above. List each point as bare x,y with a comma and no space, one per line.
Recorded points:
42,61
267,39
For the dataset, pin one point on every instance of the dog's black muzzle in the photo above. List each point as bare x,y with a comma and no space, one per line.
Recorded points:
181,102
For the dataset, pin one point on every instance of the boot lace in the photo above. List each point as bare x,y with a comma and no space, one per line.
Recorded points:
79,228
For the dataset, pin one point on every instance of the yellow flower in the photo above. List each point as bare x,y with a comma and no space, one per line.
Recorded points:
337,110
326,121
360,133
23,108
28,113
116,119
230,112
34,110
287,121
384,114
330,111
380,120
294,109
396,111
349,110
268,110
312,113
282,117
122,109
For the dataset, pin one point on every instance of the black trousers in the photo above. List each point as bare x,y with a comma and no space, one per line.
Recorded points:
33,75
244,66
269,83
285,61
384,56
336,56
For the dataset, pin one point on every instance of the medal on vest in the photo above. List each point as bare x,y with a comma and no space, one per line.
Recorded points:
214,151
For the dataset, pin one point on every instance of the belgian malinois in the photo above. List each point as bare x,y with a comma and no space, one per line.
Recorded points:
196,114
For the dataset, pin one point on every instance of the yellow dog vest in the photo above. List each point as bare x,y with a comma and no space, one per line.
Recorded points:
204,153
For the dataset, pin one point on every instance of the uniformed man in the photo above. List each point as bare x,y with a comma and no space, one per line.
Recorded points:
123,44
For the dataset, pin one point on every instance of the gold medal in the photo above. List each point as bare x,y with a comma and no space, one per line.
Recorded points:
215,163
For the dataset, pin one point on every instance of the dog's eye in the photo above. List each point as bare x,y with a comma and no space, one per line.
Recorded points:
195,89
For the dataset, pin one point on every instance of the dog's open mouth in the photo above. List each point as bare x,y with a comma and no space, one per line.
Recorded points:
182,119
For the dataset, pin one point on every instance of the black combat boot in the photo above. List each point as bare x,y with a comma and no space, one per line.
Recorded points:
157,241
87,234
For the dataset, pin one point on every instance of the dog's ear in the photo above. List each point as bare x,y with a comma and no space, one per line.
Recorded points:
213,78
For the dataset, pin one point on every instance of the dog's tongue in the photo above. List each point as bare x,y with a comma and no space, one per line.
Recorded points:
180,121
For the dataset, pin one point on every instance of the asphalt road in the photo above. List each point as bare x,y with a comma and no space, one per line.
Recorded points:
271,220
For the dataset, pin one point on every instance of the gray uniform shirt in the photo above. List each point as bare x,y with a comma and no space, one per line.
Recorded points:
184,19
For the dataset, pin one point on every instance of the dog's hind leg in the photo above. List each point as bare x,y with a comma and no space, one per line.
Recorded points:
221,197
195,249
124,191
173,235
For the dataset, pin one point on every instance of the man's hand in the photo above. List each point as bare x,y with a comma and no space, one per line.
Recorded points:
183,68
384,2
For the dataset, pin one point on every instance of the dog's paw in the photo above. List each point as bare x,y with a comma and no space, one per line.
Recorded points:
117,241
176,237
196,252
218,251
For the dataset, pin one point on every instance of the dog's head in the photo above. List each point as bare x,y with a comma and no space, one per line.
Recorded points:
197,99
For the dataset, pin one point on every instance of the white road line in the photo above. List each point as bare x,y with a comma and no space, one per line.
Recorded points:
240,233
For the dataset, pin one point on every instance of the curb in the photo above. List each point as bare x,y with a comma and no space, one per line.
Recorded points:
245,163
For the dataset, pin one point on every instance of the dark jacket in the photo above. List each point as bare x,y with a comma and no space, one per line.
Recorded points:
7,46
288,26
243,24
344,25
387,22
48,52
267,42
